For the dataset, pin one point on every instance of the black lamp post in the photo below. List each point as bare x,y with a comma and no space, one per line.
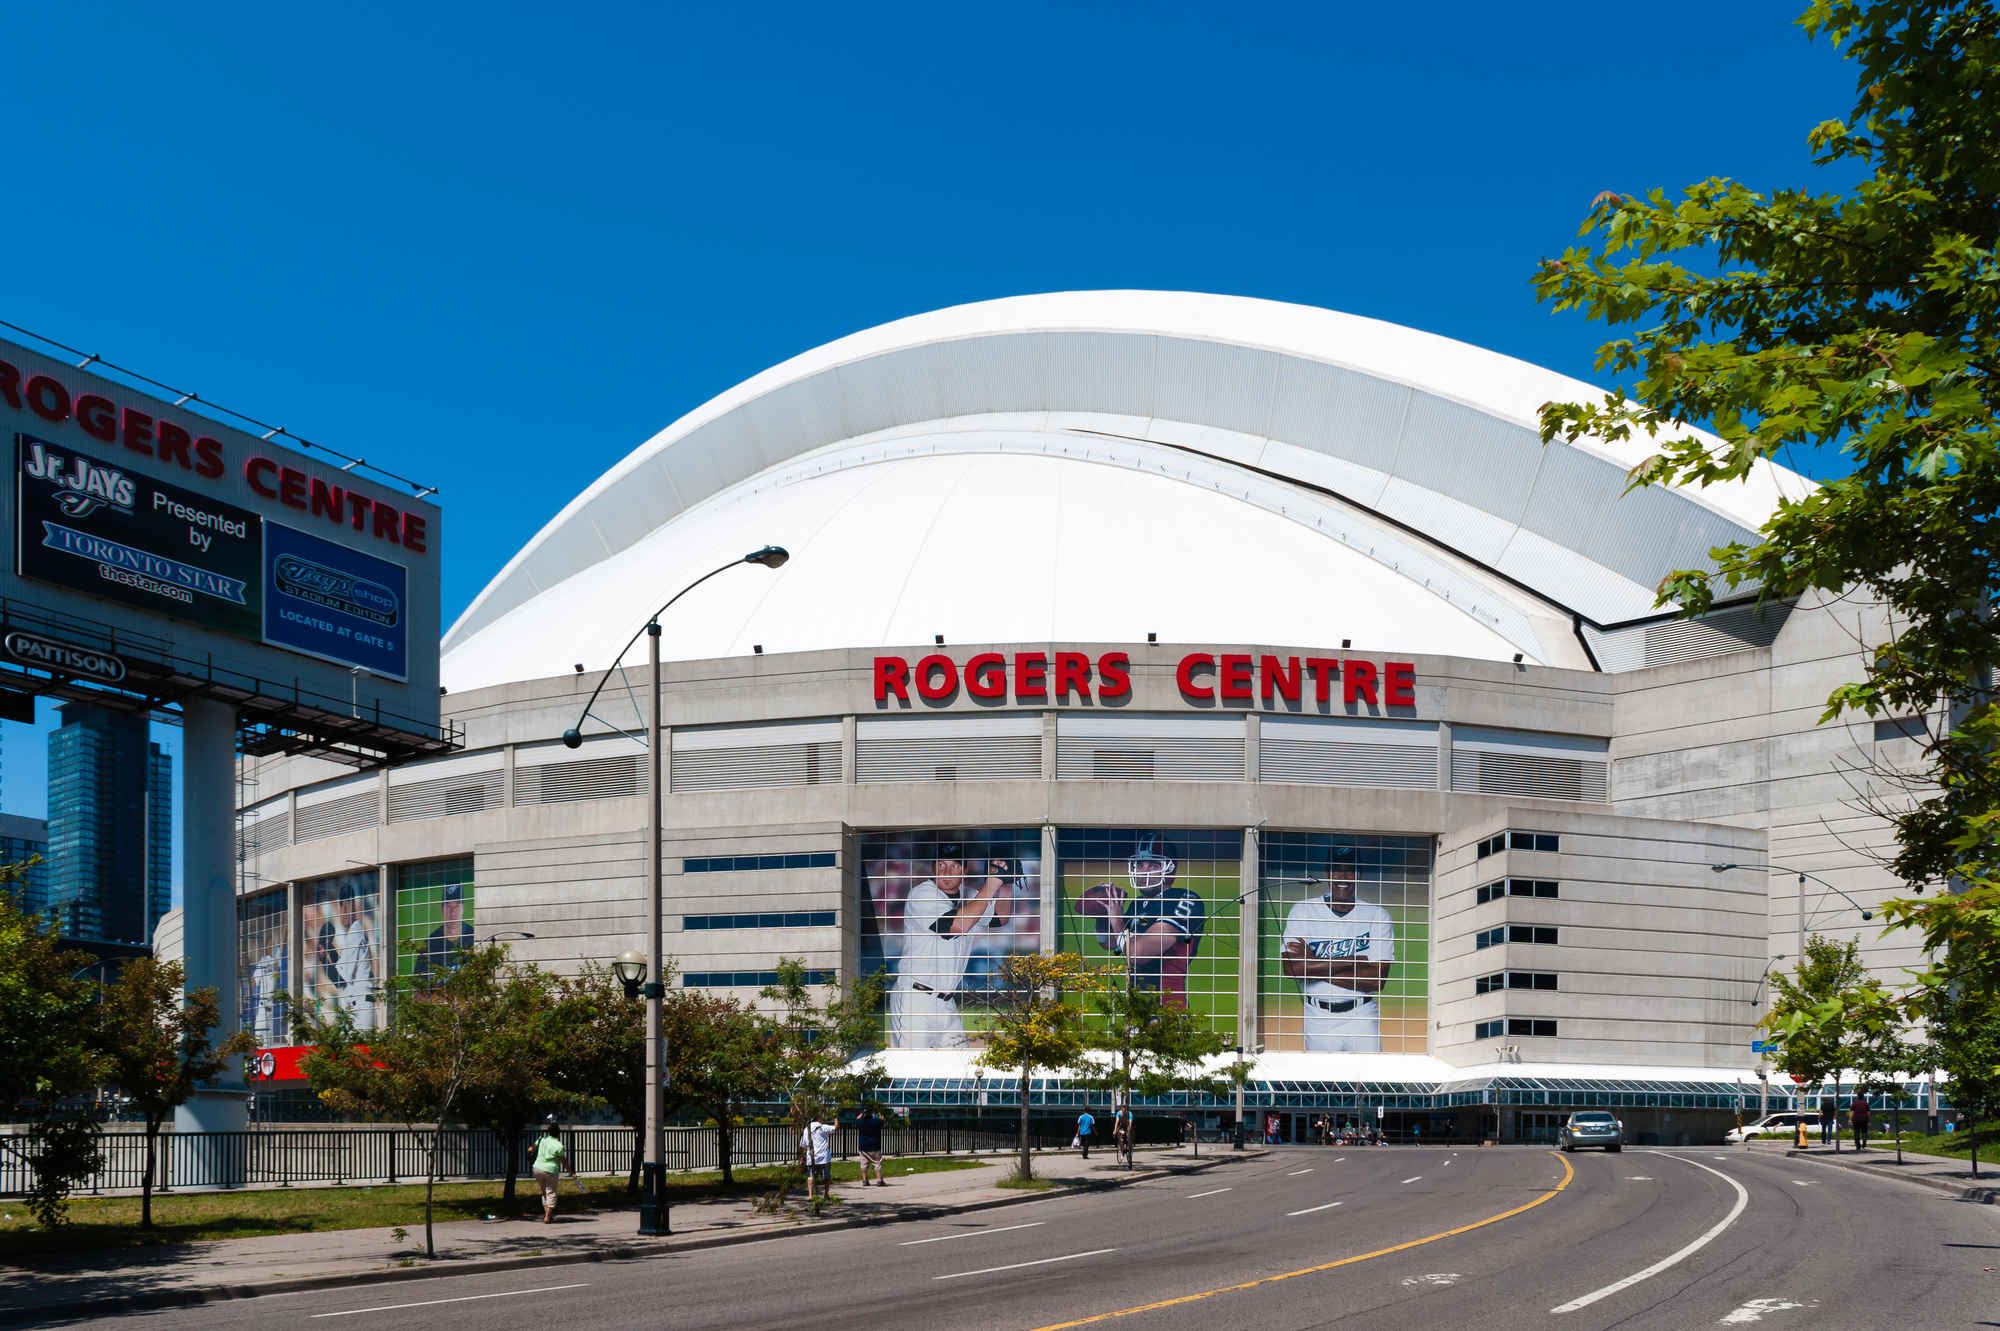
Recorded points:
653,1189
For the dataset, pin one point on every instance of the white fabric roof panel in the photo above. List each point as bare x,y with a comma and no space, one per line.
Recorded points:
1331,399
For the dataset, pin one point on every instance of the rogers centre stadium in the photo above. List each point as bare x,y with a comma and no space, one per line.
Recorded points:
1263,646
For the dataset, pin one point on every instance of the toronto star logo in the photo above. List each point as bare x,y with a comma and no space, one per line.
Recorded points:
82,486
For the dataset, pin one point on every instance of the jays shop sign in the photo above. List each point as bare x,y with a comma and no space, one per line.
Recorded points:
1208,678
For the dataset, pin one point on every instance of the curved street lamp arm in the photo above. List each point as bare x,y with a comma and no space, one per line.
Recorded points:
652,619
1866,913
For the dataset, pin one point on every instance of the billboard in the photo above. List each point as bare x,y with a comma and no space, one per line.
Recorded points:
434,919
1165,901
939,910
1344,942
211,550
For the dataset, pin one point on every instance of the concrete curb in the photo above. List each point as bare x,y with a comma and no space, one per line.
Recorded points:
202,1294
1971,1192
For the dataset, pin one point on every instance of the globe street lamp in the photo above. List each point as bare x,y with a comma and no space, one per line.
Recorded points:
653,1192
630,968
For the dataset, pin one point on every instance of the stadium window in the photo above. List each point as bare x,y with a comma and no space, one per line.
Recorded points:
1532,887
1530,1026
1531,980
1488,1030
744,979
797,919
1490,892
1531,933
1490,938
1486,984
824,859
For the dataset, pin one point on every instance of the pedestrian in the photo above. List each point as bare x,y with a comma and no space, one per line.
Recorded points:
1858,1112
868,1140
1829,1120
816,1143
1085,1125
550,1160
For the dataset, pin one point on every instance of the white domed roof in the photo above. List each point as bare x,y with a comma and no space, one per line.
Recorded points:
1094,466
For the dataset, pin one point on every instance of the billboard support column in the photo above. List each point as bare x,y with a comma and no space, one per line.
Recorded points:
1051,890
208,909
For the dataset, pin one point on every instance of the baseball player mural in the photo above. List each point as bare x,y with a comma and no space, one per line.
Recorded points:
1346,968
1339,948
941,909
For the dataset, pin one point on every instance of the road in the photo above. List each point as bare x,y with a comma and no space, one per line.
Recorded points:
1303,1237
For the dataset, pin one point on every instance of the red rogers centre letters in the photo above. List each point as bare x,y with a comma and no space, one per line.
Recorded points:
142,433
1203,677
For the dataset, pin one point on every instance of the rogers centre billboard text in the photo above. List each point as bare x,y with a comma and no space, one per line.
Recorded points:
1201,676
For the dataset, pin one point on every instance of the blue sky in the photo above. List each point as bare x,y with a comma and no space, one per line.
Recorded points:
496,246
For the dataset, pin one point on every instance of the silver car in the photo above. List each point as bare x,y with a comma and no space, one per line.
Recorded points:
1593,1127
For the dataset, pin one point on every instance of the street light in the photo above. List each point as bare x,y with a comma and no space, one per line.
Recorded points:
1866,914
653,1193
630,968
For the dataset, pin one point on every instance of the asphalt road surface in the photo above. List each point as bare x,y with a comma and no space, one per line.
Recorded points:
1302,1237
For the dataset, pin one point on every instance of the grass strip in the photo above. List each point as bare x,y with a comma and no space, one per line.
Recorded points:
113,1222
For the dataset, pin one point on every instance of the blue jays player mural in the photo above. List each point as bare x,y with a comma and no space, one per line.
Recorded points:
1160,930
1345,957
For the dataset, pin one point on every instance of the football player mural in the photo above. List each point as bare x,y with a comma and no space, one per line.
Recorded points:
1166,902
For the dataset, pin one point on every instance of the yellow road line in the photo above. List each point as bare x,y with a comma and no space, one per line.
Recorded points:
1568,1174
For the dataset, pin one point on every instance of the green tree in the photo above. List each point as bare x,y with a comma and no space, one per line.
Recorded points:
48,1059
1814,1040
1880,1046
600,1042
1863,319
721,1055
519,1034
155,1038
417,1070
819,1048
1034,1026
1964,1026
1137,1044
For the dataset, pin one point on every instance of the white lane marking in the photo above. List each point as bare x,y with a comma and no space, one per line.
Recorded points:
1413,1178
465,1298
969,1234
1296,1172
1340,1160
1016,1266
1754,1310
1638,1178
1446,1165
1436,1279
1310,1209
1800,1183
1210,1193
1742,1201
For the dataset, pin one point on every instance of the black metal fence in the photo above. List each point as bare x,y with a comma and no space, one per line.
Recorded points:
282,1157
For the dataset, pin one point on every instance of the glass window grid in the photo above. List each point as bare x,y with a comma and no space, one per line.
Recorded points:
1208,863
893,864
358,988
744,979
792,919
263,965
1398,870
1516,887
420,913
823,859
1547,842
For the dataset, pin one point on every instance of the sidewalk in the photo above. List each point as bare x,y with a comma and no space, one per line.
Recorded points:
1932,1171
71,1285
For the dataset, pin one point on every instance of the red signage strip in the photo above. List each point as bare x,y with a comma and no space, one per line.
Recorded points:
1202,677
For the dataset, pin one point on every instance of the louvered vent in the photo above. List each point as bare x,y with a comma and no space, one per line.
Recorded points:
263,830
605,767
950,748
1149,748
334,807
782,753
1397,754
1732,629
1517,762
468,783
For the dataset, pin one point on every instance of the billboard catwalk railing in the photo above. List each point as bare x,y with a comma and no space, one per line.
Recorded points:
282,1157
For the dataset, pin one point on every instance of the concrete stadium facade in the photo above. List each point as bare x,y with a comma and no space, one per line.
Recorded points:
1073,574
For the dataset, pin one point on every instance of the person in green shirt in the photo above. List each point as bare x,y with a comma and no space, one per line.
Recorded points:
550,1160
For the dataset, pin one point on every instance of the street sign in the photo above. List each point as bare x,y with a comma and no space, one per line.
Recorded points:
1763,1046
